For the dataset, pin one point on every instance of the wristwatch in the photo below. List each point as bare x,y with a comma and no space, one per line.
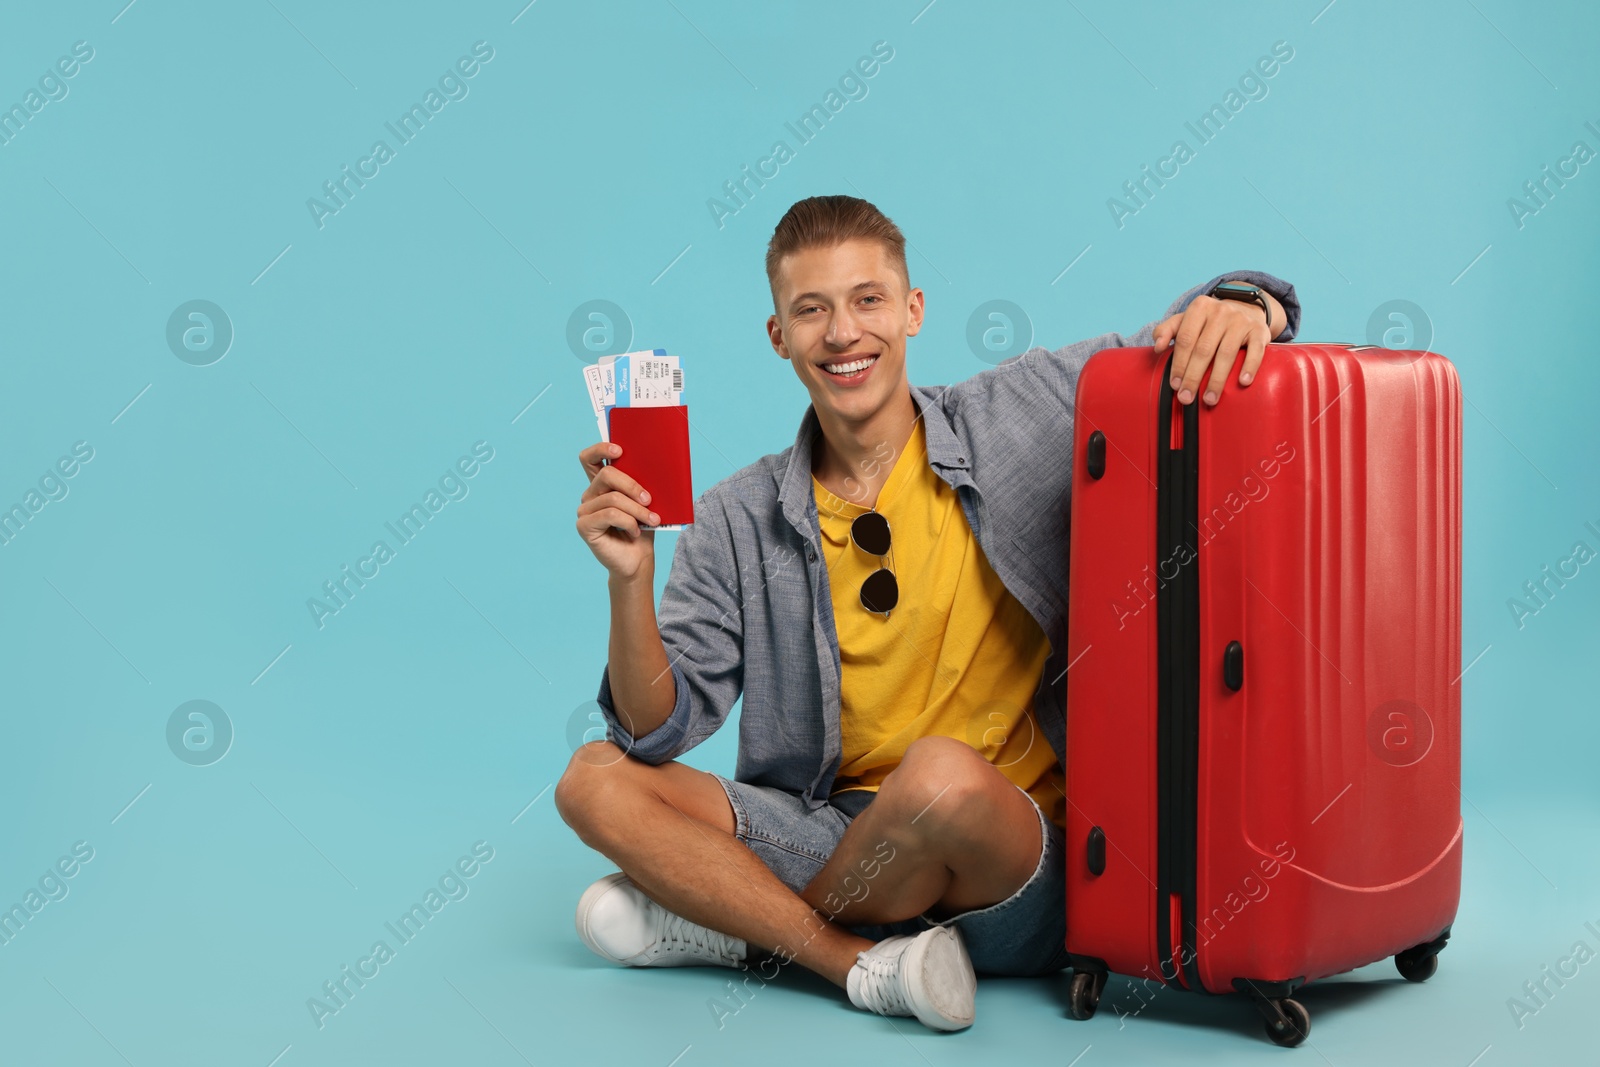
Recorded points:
1250,294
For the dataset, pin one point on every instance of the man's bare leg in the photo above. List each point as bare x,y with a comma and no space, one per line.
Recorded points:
959,836
671,831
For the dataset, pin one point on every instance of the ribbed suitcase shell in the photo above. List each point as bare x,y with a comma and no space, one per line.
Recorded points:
1328,831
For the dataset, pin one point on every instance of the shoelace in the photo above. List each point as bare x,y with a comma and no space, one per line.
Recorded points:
881,987
677,934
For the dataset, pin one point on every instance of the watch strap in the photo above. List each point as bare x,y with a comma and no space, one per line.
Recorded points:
1253,295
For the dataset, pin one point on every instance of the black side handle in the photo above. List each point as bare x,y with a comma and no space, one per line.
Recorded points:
1233,666
1095,456
1096,852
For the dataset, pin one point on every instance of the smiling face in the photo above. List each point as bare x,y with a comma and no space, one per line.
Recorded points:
843,313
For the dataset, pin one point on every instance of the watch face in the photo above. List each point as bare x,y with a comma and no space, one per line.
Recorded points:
1242,288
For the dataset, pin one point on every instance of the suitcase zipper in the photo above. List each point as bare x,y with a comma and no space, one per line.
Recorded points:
1178,679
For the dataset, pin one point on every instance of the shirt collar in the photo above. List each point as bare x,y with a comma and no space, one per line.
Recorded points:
945,450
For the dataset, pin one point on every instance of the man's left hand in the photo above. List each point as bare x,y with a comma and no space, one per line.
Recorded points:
1210,333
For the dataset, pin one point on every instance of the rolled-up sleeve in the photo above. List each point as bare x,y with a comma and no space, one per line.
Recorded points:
1282,290
701,624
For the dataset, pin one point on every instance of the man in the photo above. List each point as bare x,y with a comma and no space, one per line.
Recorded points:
889,596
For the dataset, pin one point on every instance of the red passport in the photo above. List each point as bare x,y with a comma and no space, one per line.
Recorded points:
655,453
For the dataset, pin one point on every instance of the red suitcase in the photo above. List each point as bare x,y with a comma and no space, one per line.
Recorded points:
1263,721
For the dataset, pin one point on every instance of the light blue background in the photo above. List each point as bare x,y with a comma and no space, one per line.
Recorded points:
428,314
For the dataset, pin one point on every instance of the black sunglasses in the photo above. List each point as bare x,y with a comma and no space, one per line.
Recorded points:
880,592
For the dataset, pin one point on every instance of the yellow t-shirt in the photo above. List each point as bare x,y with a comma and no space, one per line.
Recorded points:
958,655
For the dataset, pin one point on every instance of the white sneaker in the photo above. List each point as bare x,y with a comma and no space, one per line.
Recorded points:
619,923
928,975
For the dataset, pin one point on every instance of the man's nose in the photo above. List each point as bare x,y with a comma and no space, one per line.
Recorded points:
843,328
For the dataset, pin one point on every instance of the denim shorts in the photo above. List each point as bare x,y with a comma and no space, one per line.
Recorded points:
1021,936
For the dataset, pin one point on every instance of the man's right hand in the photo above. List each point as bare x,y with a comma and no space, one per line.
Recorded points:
611,512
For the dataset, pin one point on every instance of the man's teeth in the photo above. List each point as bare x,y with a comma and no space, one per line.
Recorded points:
850,368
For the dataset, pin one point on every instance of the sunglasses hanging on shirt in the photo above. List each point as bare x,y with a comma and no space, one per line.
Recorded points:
880,592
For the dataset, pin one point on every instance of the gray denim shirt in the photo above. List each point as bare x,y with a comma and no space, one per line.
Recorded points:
747,608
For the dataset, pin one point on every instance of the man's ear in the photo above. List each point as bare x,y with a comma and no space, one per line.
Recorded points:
914,307
775,336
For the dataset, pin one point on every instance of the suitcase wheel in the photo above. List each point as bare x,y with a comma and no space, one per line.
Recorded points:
1416,967
1419,962
1083,993
1288,1022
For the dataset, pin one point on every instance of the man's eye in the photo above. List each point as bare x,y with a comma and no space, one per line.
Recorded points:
879,299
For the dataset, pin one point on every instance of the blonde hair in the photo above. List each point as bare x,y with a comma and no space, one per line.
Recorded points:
824,221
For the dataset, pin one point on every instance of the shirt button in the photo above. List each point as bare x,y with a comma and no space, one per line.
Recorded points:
811,554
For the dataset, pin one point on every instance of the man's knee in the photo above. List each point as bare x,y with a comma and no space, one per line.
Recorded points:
594,774
940,784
